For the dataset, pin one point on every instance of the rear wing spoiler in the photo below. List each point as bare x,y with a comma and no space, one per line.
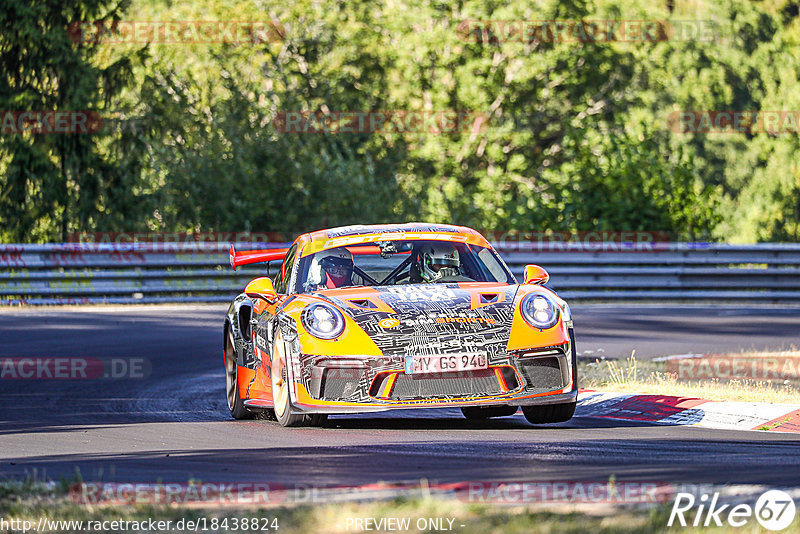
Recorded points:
247,257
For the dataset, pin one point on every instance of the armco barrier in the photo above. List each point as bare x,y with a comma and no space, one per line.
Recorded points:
199,272
127,273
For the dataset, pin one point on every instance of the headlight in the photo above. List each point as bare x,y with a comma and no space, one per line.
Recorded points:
539,311
323,321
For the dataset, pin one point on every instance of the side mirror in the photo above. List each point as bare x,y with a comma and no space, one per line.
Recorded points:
535,275
261,288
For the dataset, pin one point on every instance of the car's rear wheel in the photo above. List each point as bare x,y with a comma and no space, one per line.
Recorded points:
235,402
485,412
284,413
549,413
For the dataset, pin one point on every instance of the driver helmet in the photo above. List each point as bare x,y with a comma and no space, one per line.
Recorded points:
332,268
437,260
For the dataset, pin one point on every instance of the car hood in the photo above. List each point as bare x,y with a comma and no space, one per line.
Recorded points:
431,318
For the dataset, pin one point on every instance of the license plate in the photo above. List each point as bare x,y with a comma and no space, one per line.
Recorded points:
445,364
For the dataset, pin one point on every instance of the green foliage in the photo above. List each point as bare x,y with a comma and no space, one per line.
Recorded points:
577,139
52,184
620,181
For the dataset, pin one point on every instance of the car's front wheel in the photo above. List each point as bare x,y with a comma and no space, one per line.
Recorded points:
284,413
485,412
235,402
549,413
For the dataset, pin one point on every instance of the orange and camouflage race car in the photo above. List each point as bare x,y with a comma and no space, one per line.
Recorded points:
370,318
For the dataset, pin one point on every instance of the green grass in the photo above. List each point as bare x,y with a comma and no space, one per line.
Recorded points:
646,376
32,499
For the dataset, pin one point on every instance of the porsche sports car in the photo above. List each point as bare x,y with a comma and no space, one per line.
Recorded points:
370,318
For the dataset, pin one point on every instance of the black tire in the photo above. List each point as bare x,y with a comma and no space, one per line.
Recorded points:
235,402
285,414
485,412
549,413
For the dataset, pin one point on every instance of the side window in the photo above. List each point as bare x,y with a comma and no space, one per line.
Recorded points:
286,270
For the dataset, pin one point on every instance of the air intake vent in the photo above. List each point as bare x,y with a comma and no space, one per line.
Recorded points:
543,373
483,382
363,303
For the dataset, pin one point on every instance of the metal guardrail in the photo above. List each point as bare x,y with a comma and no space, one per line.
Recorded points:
200,272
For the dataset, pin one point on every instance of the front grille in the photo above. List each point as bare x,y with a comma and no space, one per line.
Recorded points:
483,382
545,373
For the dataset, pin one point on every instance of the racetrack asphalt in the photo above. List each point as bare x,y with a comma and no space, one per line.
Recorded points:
173,425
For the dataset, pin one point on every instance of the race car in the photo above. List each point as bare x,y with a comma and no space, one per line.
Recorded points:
384,317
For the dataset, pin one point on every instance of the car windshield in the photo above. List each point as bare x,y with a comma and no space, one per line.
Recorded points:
400,262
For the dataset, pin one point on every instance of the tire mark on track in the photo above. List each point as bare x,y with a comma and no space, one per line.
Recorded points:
188,398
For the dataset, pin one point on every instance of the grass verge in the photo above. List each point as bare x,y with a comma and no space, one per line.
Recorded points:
665,377
31,501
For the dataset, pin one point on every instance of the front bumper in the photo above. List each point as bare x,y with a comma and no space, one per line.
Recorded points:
370,384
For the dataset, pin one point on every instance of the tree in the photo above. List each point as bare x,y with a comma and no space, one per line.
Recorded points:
52,184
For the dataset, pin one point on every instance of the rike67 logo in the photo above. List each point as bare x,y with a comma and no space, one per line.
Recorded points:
774,510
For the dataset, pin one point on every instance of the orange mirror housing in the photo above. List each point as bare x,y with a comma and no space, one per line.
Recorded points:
535,275
261,288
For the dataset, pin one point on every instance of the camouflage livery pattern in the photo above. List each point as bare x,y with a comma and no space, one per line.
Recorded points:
403,322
